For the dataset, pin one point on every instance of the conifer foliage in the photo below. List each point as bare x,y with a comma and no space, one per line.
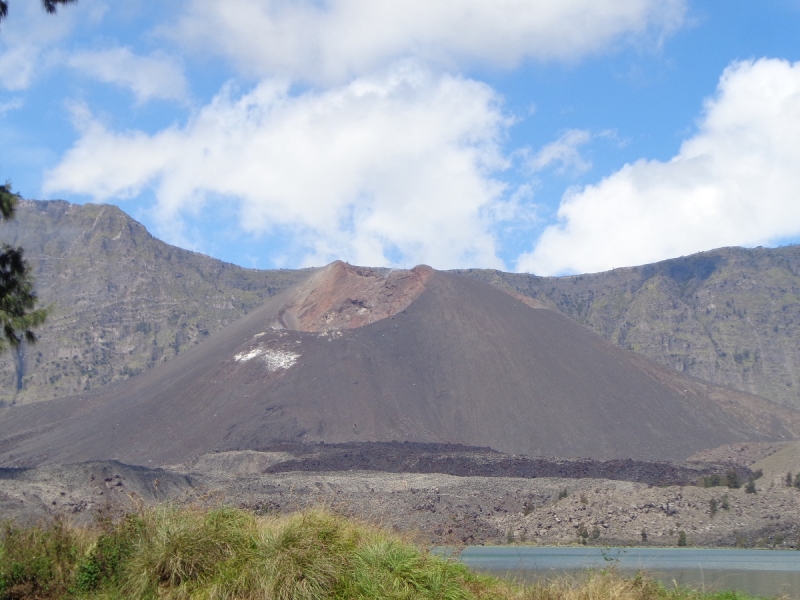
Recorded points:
18,316
50,6
18,313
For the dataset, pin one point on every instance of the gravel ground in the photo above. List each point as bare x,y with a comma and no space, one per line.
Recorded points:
435,508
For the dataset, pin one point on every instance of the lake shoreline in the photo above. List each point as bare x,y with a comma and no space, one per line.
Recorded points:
752,571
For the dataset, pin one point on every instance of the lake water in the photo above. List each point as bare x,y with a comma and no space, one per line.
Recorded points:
757,572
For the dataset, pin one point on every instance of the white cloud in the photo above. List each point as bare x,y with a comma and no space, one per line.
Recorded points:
31,40
148,77
333,40
564,152
400,164
10,105
736,182
26,39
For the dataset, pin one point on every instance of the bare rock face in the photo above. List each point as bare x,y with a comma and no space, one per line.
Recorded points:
342,296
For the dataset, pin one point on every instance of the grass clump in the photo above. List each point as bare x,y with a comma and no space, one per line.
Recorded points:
179,553
170,552
38,562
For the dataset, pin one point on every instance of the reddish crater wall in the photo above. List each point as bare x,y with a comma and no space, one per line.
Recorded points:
342,296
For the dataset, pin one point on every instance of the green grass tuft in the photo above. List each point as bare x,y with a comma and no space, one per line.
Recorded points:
226,554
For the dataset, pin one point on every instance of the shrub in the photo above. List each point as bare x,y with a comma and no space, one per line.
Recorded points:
682,538
583,533
527,508
712,506
563,494
750,488
102,565
38,561
732,479
711,481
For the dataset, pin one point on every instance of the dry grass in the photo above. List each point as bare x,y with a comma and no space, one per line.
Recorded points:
226,554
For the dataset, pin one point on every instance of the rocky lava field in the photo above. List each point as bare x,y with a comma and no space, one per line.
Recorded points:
546,502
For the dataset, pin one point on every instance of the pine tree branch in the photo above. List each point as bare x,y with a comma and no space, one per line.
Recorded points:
50,6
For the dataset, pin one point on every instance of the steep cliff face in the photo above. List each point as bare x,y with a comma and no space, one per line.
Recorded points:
122,300
730,316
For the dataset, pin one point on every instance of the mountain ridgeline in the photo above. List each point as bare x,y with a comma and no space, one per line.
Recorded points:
729,316
124,302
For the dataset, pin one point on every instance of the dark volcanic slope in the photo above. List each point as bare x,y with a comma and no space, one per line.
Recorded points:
463,363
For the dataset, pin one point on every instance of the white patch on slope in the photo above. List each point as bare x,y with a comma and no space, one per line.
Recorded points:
274,359
245,356
279,359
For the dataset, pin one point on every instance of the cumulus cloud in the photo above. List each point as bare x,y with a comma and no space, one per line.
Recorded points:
392,169
148,77
334,40
736,182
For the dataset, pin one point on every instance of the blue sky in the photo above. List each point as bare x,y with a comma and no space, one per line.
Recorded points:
550,136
